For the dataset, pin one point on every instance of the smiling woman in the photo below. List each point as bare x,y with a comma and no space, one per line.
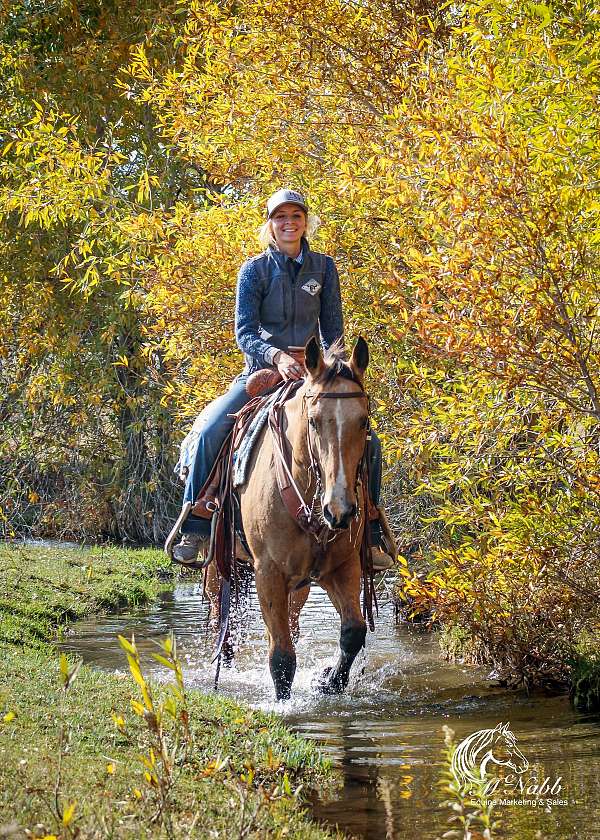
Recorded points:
285,296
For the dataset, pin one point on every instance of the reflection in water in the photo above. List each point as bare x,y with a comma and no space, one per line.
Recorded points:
385,731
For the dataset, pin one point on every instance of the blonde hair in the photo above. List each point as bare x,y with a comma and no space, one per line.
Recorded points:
265,232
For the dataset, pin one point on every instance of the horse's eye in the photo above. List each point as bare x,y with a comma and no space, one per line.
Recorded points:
364,423
312,422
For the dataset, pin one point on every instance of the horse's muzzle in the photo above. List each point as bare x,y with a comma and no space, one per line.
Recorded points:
341,519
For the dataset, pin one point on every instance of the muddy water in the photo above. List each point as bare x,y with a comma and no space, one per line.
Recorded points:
385,732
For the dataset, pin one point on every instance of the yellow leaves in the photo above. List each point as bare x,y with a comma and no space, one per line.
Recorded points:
68,814
541,11
67,677
273,763
139,66
135,670
164,661
118,721
145,185
216,765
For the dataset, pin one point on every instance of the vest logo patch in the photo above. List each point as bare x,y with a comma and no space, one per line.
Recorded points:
312,287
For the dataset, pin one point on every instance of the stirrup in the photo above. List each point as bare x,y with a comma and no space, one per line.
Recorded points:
174,533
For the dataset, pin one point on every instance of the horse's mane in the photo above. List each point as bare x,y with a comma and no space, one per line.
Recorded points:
335,365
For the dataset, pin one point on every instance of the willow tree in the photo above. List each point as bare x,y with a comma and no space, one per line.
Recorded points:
452,157
87,434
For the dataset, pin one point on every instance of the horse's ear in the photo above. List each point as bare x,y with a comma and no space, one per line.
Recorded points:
360,358
313,358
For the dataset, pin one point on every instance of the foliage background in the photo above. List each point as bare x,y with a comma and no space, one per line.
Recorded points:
452,153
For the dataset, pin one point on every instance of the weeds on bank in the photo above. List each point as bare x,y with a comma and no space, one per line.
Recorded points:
167,725
170,749
64,812
471,817
61,807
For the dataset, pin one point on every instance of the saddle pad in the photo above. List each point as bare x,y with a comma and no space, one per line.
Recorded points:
243,453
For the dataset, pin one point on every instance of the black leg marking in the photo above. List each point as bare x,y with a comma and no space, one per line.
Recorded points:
352,639
283,667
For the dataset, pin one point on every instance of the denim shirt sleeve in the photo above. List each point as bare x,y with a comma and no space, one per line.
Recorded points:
331,322
247,316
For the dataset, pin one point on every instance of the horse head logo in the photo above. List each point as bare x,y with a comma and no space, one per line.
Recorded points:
473,754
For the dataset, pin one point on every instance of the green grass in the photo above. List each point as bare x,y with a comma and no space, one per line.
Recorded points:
44,589
245,774
585,689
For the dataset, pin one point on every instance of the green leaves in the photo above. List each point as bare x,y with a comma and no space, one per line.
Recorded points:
541,11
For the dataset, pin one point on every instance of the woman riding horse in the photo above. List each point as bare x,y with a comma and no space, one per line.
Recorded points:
285,296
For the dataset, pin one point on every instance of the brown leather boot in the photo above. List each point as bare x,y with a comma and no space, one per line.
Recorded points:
381,561
384,550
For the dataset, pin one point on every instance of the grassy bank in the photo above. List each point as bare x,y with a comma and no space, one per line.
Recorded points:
76,760
585,684
581,665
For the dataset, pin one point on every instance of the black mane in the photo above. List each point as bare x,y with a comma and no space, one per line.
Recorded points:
336,365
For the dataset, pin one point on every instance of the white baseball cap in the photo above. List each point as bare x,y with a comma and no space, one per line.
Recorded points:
285,197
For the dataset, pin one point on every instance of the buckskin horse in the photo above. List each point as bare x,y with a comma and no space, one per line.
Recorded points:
324,427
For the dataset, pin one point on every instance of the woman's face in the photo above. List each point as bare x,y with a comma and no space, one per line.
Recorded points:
289,224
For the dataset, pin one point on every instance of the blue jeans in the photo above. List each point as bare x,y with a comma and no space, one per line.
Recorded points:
216,424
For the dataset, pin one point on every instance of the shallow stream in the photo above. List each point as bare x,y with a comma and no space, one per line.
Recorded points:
385,733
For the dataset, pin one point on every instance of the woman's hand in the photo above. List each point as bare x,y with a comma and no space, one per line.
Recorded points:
288,367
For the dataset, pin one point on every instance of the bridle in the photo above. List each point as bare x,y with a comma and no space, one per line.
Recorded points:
314,466
324,536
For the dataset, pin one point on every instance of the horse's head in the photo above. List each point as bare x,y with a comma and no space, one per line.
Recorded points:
338,419
505,751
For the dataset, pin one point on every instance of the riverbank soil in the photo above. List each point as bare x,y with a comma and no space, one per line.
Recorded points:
76,760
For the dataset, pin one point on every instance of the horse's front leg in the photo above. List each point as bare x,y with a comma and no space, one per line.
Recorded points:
343,587
272,592
296,602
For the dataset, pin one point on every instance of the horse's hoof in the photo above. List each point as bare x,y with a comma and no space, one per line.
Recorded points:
283,693
326,685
